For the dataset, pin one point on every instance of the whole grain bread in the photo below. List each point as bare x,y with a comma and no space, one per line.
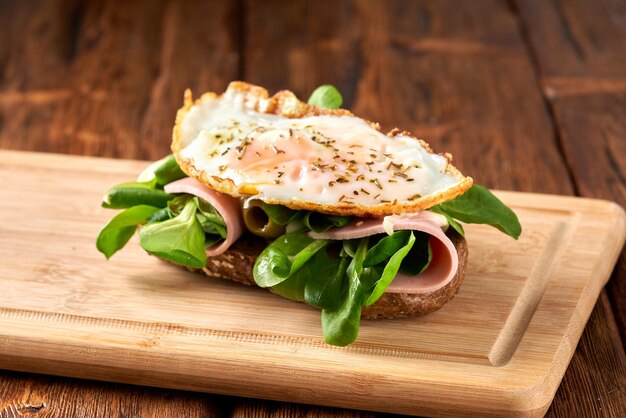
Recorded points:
236,264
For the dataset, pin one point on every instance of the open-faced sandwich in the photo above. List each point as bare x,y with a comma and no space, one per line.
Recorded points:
307,200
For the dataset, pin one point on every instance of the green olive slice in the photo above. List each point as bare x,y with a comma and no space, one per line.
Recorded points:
259,223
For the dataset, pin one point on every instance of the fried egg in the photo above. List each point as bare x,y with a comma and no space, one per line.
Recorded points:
283,151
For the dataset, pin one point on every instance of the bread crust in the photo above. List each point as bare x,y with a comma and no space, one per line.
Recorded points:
237,263
285,103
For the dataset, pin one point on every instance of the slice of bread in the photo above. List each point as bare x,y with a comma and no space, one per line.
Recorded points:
236,264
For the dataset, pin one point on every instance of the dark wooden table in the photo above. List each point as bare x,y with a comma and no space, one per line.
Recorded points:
527,94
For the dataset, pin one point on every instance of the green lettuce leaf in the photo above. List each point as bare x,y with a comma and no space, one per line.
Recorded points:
386,248
162,172
180,239
317,283
453,223
177,204
148,189
326,97
135,193
279,214
162,214
293,287
420,255
210,219
118,231
323,287
313,221
168,171
407,239
284,257
320,222
340,326
479,206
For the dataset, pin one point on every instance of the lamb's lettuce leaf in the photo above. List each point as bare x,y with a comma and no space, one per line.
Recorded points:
392,264
177,228
162,214
451,221
162,172
323,288
326,97
279,214
180,239
212,222
148,189
420,255
320,222
121,228
313,221
168,171
176,205
341,325
318,283
386,248
339,282
284,257
479,206
135,193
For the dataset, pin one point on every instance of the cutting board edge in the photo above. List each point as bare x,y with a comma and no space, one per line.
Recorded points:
516,401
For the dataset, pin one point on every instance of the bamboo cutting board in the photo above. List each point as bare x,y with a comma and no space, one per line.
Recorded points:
500,347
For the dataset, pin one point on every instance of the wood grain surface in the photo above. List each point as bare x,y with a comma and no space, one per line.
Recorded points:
528,95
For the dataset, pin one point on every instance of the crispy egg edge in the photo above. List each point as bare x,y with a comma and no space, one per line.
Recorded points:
286,104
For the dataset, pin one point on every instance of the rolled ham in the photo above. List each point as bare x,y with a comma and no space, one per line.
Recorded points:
227,206
445,261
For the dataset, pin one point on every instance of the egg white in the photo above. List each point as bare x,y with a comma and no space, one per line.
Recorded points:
322,160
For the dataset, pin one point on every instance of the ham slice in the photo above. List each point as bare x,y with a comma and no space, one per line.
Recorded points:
227,206
445,261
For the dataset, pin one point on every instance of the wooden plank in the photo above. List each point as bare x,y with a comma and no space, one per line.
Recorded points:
579,45
251,408
106,78
500,346
47,396
579,49
307,44
87,86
